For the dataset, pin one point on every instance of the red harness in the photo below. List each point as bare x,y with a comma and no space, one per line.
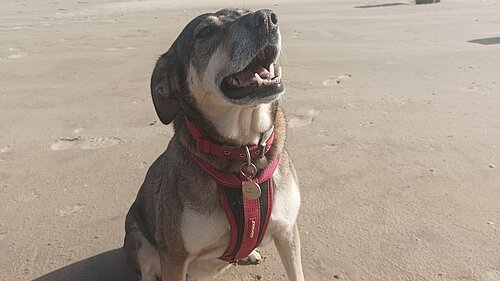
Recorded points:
248,218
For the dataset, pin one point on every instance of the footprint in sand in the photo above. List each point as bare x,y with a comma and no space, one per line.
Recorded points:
16,53
85,143
491,275
27,197
296,34
333,82
331,147
17,56
2,235
301,121
476,88
70,210
5,149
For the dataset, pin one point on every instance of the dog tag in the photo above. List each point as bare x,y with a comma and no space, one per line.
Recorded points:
251,190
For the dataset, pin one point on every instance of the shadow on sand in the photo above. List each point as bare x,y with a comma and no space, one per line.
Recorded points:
381,5
486,41
108,266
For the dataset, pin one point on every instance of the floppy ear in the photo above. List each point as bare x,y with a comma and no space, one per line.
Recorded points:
165,87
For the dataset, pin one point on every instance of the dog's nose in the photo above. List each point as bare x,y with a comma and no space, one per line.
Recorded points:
264,18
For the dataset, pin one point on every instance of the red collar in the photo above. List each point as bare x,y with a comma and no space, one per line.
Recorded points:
204,144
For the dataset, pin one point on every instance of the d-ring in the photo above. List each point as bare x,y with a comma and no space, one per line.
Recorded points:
249,168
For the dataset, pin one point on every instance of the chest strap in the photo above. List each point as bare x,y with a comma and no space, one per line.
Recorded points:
247,218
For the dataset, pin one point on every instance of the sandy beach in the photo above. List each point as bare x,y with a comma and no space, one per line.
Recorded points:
394,128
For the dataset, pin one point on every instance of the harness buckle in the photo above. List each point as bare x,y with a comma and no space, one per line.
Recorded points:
263,141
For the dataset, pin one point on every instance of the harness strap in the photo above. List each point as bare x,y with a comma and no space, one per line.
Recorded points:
230,180
247,218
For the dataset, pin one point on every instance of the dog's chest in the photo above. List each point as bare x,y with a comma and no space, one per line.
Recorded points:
208,235
204,233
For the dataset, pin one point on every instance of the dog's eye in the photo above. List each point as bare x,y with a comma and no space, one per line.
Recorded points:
206,31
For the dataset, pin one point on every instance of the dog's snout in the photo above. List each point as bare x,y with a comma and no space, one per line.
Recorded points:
264,19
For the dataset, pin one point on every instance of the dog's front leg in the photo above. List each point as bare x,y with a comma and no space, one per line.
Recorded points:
173,268
288,245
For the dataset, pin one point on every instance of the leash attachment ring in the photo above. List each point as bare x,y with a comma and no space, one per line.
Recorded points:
248,171
250,189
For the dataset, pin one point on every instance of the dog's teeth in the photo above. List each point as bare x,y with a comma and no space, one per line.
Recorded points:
280,73
259,79
271,68
234,82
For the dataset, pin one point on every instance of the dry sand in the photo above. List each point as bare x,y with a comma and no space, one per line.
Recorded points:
394,128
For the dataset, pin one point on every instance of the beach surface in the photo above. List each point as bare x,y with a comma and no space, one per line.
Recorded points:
394,127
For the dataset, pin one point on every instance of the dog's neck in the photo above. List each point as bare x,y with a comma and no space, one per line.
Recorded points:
269,115
241,125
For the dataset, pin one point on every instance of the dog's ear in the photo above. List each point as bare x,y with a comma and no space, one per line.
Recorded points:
165,87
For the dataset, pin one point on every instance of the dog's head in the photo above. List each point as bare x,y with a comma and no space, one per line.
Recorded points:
223,58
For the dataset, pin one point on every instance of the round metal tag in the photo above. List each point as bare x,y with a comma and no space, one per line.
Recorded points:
251,190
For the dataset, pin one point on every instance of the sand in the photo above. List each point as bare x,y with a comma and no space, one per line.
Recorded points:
393,125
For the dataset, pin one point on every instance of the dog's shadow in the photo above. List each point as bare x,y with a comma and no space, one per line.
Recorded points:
108,266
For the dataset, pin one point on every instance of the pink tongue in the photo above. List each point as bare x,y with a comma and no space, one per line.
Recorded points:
247,78
264,73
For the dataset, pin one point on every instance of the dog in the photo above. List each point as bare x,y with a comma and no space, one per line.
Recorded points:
220,77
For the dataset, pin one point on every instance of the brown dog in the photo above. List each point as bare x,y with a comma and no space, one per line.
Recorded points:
221,75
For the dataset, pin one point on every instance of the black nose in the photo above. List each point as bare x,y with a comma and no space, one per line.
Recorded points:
264,18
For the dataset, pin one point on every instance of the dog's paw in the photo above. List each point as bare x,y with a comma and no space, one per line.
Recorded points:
252,259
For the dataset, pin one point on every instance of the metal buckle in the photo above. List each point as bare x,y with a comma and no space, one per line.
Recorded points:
263,142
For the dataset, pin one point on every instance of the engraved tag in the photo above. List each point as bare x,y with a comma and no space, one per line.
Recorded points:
251,190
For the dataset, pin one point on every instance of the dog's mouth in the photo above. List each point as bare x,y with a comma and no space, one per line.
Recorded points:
261,77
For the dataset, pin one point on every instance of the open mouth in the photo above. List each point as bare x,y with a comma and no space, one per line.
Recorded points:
260,77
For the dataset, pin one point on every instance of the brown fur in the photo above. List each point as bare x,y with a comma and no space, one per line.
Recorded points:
174,183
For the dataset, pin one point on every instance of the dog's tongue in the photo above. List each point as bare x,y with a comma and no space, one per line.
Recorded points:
247,77
264,73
